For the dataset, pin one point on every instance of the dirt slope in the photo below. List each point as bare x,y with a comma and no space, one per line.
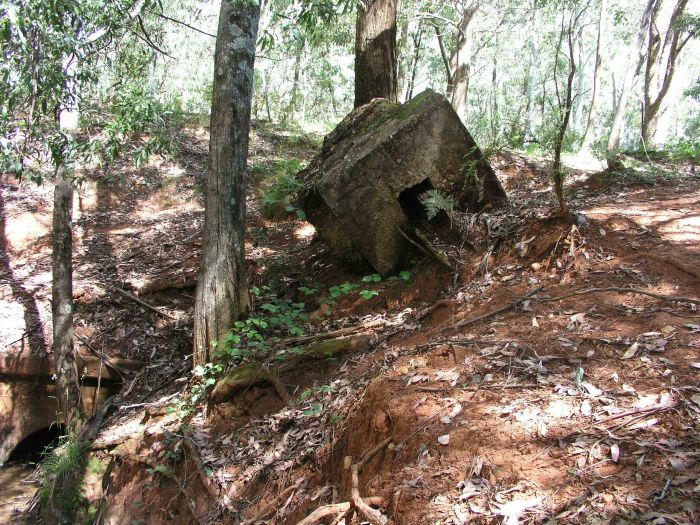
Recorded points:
583,409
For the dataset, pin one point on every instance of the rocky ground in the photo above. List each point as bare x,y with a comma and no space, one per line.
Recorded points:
521,383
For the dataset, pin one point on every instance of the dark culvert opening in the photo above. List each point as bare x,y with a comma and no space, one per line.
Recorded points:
410,201
31,448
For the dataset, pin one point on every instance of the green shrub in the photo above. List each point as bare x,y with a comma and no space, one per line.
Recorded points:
278,198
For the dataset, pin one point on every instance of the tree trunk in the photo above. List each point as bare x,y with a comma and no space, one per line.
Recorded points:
661,59
529,134
417,41
222,294
67,387
587,139
403,60
293,100
375,51
636,58
577,121
459,63
67,377
565,114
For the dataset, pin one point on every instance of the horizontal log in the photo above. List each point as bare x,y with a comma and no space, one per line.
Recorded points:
32,366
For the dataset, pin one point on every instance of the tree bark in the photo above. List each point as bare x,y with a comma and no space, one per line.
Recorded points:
577,119
457,68
375,51
661,59
636,58
417,41
529,131
293,100
67,386
565,111
587,139
222,294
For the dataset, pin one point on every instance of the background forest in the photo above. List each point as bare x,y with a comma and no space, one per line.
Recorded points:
502,63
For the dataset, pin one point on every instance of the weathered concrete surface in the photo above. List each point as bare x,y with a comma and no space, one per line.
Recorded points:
28,394
368,177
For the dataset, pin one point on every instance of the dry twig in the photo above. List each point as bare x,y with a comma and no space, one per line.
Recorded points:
669,298
142,302
493,313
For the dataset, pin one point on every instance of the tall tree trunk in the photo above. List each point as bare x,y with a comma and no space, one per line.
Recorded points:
460,59
529,134
67,386
577,120
565,108
403,60
417,42
222,293
662,56
587,139
293,100
636,58
375,51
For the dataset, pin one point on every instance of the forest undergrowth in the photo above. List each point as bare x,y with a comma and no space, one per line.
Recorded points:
541,372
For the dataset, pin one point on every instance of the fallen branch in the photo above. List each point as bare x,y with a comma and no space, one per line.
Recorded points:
348,330
251,374
103,358
669,298
480,387
142,303
493,313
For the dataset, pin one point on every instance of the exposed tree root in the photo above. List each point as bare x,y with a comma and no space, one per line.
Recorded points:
199,464
362,505
336,509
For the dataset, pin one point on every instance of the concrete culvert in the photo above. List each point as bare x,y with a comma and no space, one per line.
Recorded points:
364,188
33,446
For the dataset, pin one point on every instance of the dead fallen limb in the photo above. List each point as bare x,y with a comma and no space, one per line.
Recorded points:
273,504
493,313
103,358
251,374
362,505
634,412
348,330
153,464
142,302
480,387
668,298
